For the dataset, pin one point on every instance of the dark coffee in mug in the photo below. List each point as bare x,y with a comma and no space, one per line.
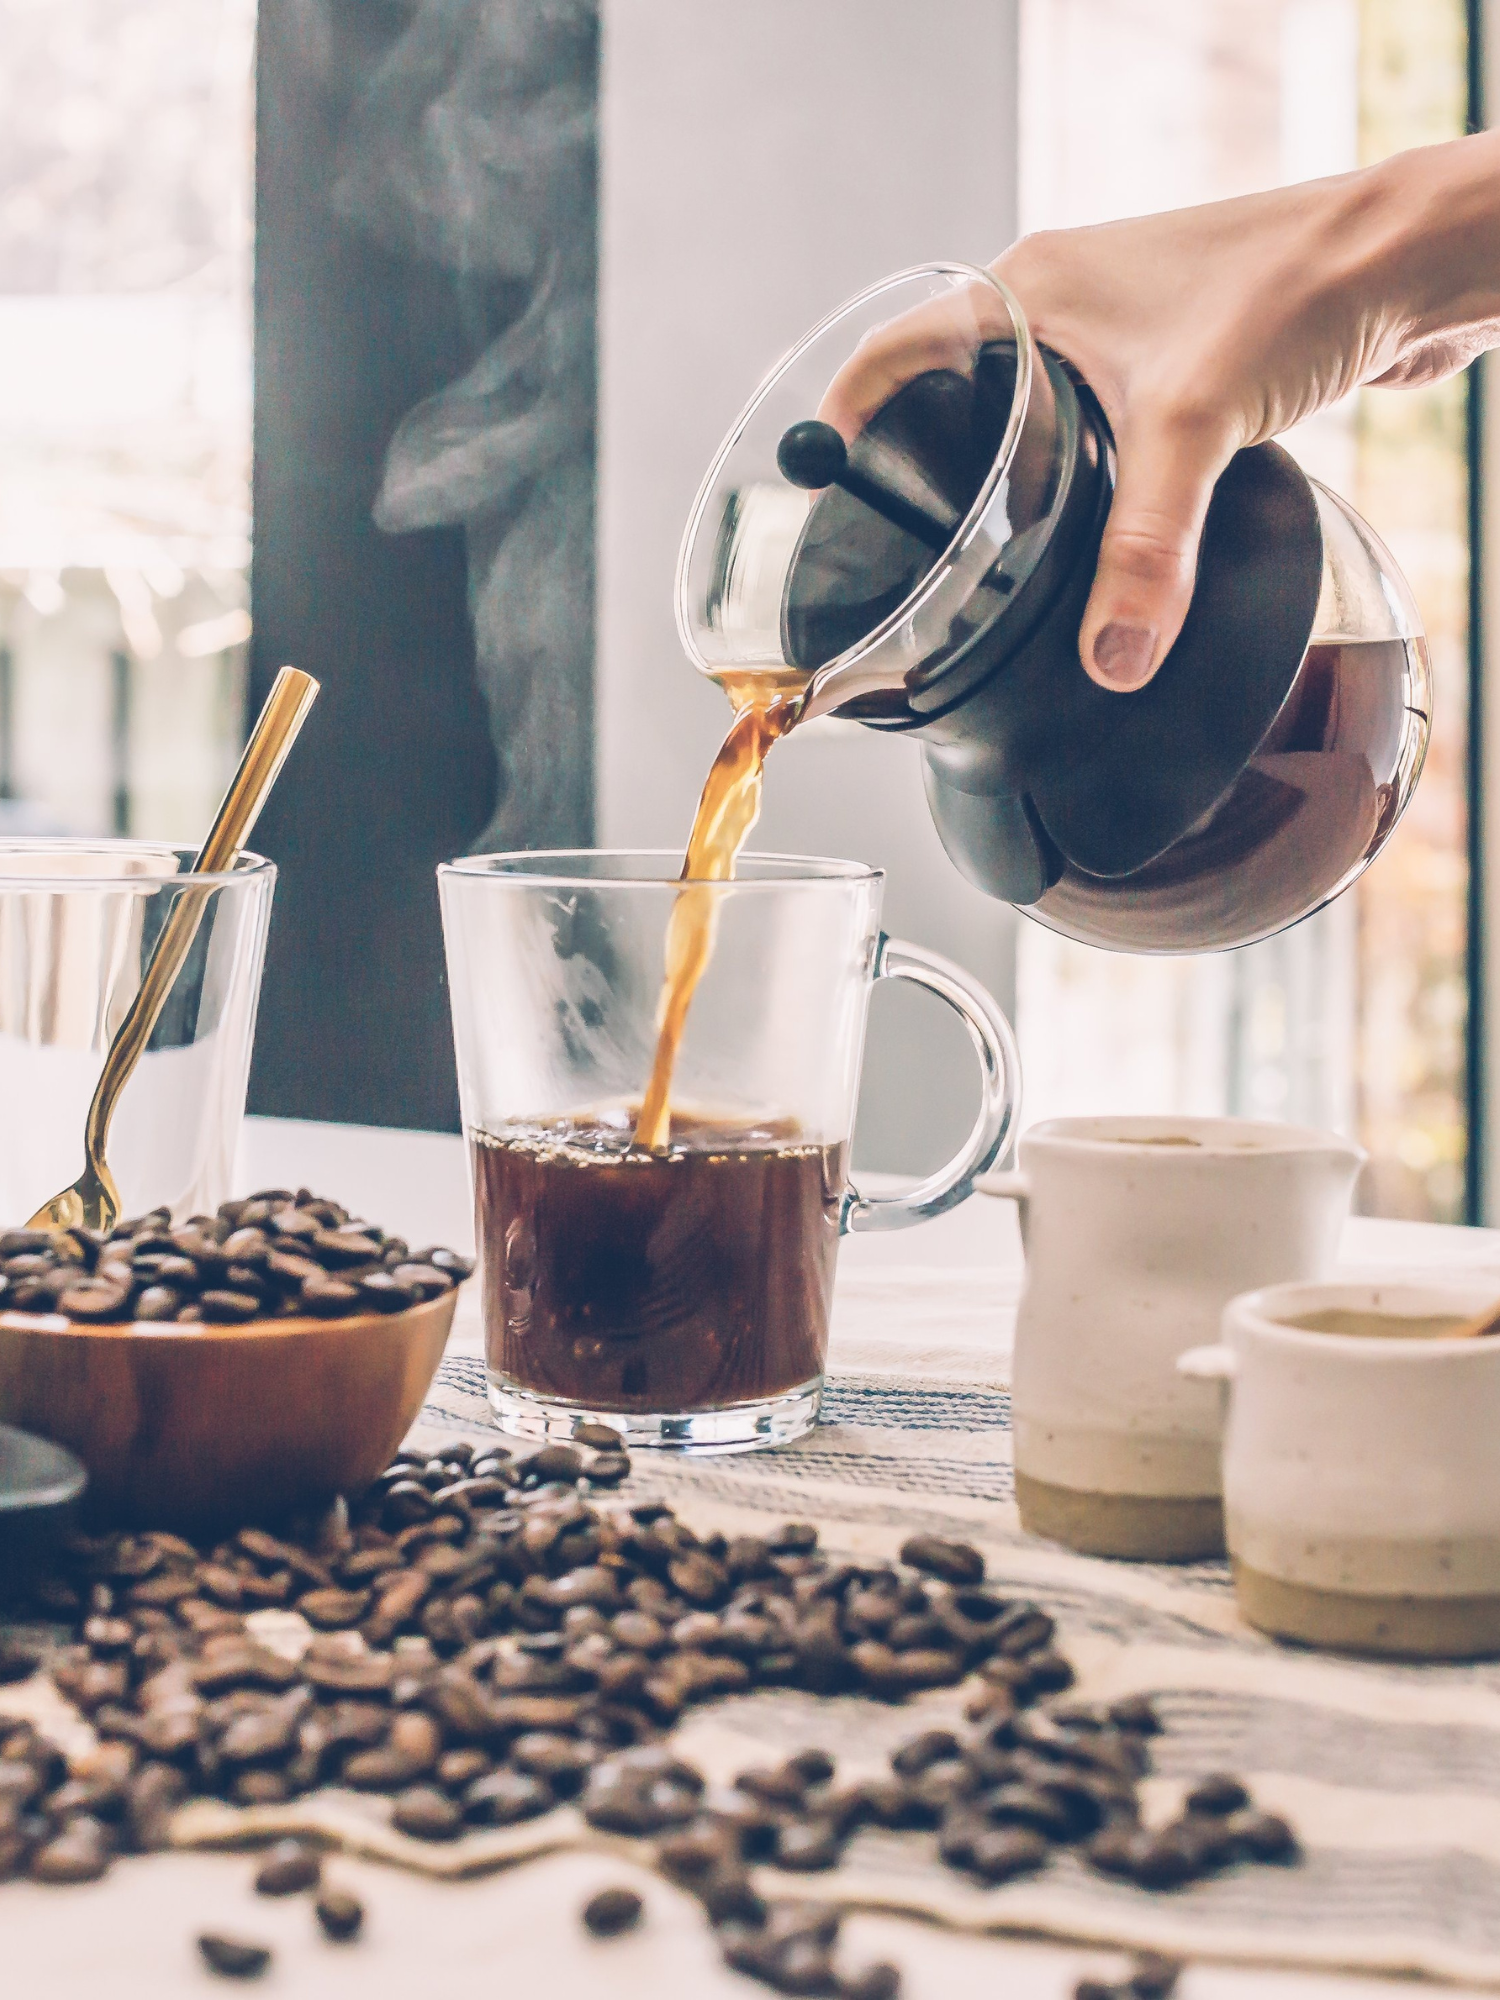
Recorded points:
622,1279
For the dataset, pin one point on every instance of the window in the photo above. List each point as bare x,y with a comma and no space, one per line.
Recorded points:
1356,1018
125,192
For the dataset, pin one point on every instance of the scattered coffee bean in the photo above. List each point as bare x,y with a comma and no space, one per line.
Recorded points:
17,1662
1217,1796
427,1814
954,1562
612,1911
340,1915
876,1982
598,1437
492,1638
1154,1976
289,1868
233,1958
1263,1836
80,1853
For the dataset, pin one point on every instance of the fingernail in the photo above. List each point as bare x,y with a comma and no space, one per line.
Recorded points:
1123,653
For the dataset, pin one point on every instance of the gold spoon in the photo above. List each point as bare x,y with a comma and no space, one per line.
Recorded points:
93,1201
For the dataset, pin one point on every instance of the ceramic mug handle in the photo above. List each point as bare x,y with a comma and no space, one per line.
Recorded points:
1209,1364
1000,1093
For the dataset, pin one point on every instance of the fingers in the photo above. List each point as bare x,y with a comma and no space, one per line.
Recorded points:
946,332
1148,558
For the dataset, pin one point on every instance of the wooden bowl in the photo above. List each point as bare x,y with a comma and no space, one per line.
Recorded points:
202,1427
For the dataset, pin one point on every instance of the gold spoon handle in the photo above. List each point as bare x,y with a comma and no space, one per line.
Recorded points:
292,695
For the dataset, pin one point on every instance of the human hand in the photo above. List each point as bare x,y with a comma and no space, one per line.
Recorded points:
1203,330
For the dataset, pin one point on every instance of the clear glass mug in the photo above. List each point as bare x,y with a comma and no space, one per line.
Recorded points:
682,1296
78,922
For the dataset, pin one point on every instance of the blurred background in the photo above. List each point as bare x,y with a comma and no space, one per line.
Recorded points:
423,318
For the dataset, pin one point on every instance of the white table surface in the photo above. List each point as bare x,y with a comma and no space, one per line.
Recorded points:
517,1933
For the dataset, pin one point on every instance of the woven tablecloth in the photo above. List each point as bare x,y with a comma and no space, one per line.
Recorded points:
1390,1773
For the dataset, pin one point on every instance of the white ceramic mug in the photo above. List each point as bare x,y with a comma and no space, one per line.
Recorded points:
1362,1474
1137,1233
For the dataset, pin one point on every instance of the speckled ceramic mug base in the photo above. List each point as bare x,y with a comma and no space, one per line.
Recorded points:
1411,1628
1133,1525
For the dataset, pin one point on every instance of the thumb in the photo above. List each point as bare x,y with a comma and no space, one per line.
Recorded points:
1149,554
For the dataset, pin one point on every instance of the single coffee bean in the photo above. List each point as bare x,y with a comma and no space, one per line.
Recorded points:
954,1562
1154,1976
158,1302
92,1301
1217,1796
1026,1805
612,1911
504,1798
694,1853
1263,1836
808,1845
457,1769
558,1760
17,1662
1137,1714
151,1798
427,1814
258,1738
553,1461
598,1437
1166,1859
339,1914
80,1853
386,1292
815,1766
289,1868
233,1958
430,1281
881,1981
933,1746
333,1610
324,1298
729,1897
781,1786
229,1307
998,1853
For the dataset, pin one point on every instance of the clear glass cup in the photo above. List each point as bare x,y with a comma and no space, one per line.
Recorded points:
78,921
682,1297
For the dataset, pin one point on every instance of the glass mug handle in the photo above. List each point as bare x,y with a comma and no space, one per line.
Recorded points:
1000,1093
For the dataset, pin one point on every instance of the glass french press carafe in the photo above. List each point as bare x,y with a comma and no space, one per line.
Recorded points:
906,519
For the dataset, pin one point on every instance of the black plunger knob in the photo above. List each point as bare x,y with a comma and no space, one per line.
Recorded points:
814,455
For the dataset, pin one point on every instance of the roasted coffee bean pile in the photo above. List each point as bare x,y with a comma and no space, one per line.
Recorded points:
494,1634
279,1255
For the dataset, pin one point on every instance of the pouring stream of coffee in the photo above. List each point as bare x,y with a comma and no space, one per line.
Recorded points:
811,455
765,708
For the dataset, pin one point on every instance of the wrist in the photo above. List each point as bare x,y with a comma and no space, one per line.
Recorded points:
1434,239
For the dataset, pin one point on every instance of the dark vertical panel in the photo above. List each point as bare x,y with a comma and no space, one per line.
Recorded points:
397,366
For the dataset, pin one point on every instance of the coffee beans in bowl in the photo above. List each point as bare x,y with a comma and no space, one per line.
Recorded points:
238,1366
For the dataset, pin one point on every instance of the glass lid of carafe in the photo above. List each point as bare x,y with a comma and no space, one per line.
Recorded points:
888,490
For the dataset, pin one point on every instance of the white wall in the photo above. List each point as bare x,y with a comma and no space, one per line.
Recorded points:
761,159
